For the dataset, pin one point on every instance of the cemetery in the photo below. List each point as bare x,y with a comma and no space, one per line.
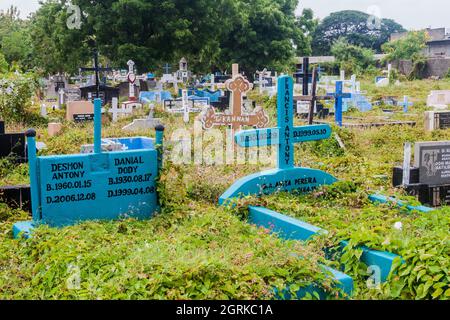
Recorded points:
125,179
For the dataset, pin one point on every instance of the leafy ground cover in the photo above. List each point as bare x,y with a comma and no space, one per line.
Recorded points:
193,249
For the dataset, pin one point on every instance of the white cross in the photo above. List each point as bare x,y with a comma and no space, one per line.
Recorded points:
131,78
116,111
185,102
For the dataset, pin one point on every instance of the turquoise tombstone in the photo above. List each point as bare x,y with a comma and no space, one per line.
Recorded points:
286,177
68,189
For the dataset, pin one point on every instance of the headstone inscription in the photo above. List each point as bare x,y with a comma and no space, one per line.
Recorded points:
67,189
235,118
12,145
435,120
433,161
80,111
286,177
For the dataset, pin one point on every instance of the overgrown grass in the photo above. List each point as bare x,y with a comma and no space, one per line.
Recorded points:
195,250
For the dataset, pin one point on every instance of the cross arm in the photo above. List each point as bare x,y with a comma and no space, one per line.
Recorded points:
271,136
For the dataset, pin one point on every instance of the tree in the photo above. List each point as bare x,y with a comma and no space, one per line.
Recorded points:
307,25
350,57
407,47
263,36
56,48
15,40
3,64
211,34
356,27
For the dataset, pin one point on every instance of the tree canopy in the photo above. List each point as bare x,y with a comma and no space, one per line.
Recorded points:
356,27
211,34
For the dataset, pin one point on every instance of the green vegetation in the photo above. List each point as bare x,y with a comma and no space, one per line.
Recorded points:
352,58
195,250
357,27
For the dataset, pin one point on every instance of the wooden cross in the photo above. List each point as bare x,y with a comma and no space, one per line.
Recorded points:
313,98
303,74
236,118
97,70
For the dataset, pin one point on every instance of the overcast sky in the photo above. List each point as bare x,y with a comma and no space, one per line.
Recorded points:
412,14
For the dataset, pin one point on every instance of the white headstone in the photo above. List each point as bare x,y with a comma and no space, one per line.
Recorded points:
44,110
185,101
406,163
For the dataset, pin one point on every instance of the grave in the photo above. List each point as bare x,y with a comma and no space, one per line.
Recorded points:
287,177
143,124
54,128
125,110
439,99
308,104
429,178
132,102
12,145
235,118
80,111
72,94
435,120
68,189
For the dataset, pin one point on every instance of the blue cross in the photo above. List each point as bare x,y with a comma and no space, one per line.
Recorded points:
338,97
405,104
285,135
286,177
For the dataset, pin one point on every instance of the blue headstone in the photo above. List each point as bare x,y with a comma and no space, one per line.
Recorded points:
214,96
286,177
67,189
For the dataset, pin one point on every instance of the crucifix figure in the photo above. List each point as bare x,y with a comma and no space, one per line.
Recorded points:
97,70
313,98
286,176
236,118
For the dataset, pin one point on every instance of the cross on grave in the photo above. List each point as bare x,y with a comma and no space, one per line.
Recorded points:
286,176
261,81
97,70
115,111
304,75
68,189
185,102
236,118
131,79
405,104
338,97
313,98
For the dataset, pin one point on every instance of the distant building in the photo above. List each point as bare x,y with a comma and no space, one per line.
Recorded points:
437,46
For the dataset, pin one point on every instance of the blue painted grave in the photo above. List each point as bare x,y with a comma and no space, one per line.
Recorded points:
286,177
358,101
213,96
154,96
67,189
